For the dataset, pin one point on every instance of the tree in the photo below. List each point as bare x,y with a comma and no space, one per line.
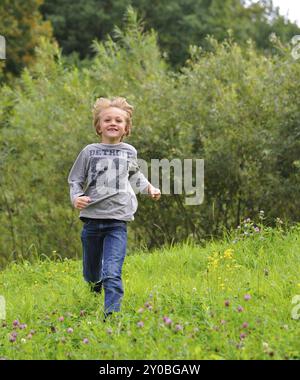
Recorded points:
22,26
179,23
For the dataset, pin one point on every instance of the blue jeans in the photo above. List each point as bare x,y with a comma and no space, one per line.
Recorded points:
104,248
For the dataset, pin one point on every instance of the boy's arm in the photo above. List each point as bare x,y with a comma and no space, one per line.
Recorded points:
77,176
138,181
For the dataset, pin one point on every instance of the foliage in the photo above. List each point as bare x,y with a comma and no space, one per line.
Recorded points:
22,26
179,23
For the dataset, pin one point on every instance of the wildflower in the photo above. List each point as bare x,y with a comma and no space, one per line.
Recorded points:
140,324
23,340
109,331
240,309
256,229
227,303
61,319
85,341
29,336
223,322
167,320
147,304
32,332
247,297
265,346
23,326
141,310
245,325
178,328
12,338
16,323
242,336
228,253
70,330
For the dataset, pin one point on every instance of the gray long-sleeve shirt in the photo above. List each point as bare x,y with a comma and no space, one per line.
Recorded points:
110,175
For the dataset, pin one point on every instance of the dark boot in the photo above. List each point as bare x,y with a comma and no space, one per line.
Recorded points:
97,287
106,315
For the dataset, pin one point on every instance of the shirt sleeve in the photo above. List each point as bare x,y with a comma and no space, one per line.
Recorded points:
77,176
138,181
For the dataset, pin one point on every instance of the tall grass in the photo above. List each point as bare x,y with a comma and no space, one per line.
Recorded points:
231,299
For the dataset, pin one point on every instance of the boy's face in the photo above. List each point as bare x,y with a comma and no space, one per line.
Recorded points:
113,125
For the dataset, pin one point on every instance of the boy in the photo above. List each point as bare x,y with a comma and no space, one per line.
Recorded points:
111,174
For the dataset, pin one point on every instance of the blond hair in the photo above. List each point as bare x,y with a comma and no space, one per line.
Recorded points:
119,102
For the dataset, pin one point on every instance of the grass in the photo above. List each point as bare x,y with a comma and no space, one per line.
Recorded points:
185,302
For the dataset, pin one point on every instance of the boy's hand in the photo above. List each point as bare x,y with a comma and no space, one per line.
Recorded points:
81,202
154,192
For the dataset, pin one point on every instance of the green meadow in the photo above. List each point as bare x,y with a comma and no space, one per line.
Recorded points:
234,298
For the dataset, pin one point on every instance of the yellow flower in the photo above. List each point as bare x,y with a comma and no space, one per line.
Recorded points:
228,253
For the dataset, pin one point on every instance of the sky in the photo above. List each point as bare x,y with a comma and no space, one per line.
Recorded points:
290,7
